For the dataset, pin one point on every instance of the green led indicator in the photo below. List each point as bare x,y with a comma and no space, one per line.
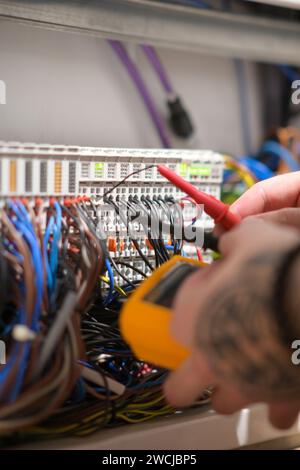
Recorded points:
99,166
183,169
196,170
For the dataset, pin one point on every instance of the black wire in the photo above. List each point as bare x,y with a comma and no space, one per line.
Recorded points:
147,229
124,179
134,268
134,240
158,256
177,243
125,278
160,242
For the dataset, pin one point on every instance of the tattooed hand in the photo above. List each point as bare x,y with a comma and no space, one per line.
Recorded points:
224,314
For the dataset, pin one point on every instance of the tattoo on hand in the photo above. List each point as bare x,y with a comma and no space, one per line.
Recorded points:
240,337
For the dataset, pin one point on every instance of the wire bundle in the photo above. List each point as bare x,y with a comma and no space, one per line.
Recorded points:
66,361
156,217
50,283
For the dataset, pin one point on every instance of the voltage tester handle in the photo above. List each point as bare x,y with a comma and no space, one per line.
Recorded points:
146,315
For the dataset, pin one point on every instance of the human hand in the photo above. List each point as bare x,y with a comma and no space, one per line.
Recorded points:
230,327
274,200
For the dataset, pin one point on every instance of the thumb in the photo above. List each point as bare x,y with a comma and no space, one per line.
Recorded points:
289,217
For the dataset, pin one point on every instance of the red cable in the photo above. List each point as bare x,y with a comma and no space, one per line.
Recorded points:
199,254
216,209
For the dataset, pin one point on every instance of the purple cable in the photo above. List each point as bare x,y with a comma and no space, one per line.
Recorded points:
137,79
158,67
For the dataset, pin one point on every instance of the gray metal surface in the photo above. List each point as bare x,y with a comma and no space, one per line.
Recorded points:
195,429
167,25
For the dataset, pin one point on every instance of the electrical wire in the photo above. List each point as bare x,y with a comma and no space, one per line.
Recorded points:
63,319
154,60
109,297
244,173
136,77
282,152
106,193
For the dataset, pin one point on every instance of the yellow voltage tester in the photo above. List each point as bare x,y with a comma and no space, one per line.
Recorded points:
146,315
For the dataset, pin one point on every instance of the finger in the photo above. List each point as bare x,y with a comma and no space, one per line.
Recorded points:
186,384
283,416
288,217
272,194
227,400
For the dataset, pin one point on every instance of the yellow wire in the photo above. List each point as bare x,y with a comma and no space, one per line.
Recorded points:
94,416
145,418
163,410
148,404
87,431
117,288
133,421
241,170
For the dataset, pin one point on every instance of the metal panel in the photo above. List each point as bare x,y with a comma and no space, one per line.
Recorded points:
195,429
218,33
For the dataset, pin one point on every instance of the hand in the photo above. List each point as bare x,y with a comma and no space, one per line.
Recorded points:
230,327
276,200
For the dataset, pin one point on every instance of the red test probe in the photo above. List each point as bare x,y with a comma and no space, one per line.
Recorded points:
216,209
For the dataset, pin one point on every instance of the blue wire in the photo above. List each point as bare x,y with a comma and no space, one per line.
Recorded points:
21,221
290,73
79,393
4,372
274,147
53,251
24,226
55,244
13,250
38,269
171,247
48,232
259,169
15,207
226,174
109,296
